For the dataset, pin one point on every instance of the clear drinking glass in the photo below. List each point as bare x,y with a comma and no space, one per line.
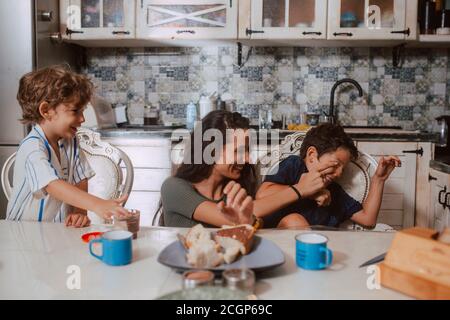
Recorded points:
265,117
240,279
129,222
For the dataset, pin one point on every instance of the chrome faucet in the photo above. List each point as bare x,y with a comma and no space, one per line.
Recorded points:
331,114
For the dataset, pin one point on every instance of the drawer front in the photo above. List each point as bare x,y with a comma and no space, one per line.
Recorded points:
146,202
149,179
447,218
391,217
394,185
392,202
148,157
439,225
386,148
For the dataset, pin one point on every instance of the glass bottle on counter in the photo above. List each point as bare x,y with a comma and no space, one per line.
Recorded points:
151,116
191,115
265,117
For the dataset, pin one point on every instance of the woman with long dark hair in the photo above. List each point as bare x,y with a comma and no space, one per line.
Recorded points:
217,192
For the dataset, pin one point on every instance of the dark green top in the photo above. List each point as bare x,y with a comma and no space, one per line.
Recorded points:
179,201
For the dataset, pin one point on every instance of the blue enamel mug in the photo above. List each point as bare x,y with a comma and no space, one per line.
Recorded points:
116,247
311,252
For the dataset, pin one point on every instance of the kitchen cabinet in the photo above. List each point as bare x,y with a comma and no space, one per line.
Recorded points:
151,161
370,19
187,19
439,200
332,20
399,196
97,19
149,22
287,19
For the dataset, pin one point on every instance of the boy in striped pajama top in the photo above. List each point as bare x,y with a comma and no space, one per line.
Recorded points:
50,171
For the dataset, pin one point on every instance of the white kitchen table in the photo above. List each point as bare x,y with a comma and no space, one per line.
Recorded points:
37,261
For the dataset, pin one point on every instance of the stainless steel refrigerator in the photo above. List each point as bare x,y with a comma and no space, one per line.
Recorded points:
28,40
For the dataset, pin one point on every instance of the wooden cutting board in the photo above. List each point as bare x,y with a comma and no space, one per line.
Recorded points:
418,264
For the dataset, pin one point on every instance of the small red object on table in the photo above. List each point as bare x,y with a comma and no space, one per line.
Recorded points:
91,236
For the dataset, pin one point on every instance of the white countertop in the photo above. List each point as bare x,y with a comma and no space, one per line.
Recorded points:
35,257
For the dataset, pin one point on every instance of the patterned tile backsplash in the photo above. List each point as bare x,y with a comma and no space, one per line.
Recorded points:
290,80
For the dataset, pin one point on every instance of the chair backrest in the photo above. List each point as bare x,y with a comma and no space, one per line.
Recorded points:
106,161
158,218
6,172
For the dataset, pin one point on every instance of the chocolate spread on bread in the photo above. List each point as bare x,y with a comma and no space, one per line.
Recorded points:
243,234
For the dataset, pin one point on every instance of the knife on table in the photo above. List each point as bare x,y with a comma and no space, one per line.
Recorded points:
374,260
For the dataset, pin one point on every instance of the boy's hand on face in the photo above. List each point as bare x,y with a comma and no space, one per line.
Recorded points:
385,167
322,198
77,220
316,180
237,205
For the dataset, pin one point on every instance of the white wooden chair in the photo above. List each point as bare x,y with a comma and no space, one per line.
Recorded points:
355,180
107,162
158,218
7,175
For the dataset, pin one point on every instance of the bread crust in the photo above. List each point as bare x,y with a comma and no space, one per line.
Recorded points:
244,233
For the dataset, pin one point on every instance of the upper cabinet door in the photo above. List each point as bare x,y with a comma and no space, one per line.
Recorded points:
97,19
187,19
367,19
288,19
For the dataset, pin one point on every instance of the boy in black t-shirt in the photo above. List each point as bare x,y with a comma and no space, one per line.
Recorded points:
324,145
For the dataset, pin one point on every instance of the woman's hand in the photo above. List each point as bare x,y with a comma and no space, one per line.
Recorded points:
385,167
237,205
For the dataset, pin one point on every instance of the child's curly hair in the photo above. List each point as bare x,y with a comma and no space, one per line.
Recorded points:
54,85
328,138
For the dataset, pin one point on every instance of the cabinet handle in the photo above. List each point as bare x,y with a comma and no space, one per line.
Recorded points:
440,195
231,3
418,151
348,34
305,33
407,32
430,177
69,31
56,38
46,15
186,31
249,32
446,202
120,32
